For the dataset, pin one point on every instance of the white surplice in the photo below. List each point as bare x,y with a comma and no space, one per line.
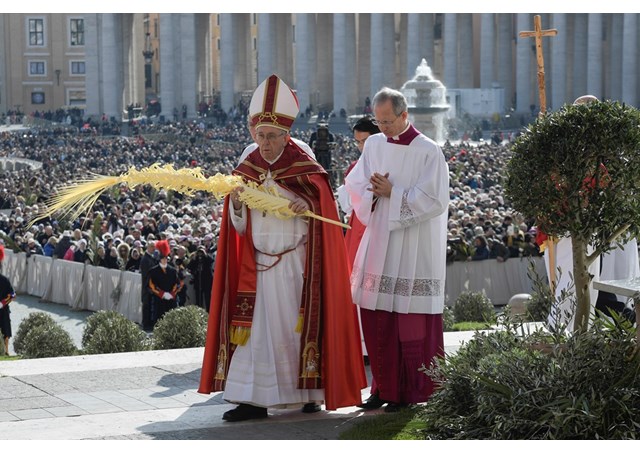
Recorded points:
401,262
618,264
264,372
562,312
621,263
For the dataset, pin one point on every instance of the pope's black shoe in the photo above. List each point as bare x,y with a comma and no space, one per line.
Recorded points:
244,412
395,407
310,408
373,402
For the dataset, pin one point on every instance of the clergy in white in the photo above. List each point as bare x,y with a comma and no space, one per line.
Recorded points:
619,263
400,190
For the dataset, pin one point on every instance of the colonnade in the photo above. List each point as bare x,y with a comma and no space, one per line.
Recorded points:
335,61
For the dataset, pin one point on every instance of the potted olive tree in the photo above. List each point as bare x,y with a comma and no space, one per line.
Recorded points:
576,171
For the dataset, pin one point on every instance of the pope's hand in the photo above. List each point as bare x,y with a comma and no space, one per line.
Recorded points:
235,197
298,206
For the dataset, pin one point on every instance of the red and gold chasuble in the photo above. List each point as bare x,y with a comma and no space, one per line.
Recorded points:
330,352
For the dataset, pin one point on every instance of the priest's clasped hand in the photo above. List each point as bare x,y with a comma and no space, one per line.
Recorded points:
167,296
380,185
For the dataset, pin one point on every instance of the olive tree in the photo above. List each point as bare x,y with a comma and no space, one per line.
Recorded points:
576,171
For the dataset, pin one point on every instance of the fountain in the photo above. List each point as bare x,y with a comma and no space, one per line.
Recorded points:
427,104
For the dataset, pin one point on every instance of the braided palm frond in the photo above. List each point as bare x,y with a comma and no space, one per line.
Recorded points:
76,198
268,200
79,197
186,181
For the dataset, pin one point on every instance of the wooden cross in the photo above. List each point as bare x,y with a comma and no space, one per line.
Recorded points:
538,33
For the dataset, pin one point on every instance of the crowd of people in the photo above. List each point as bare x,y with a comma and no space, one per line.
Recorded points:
123,221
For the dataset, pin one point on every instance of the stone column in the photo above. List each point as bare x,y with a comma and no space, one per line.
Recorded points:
352,62
245,63
614,73
188,63
486,50
282,47
387,53
4,89
579,56
203,56
132,43
427,43
416,32
340,62
344,62
168,64
178,65
265,56
523,66
92,66
465,51
630,59
324,61
111,72
302,61
382,51
377,40
227,60
450,50
364,58
313,62
504,59
558,79
594,55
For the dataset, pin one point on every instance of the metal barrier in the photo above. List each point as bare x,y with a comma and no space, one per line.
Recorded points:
88,287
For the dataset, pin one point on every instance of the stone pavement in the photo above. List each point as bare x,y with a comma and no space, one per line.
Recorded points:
139,395
144,395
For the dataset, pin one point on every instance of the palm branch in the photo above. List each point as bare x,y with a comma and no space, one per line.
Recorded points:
79,196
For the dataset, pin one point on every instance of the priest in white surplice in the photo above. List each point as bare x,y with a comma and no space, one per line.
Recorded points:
400,190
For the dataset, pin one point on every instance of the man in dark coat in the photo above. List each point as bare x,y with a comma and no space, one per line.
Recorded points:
7,294
164,284
201,268
147,262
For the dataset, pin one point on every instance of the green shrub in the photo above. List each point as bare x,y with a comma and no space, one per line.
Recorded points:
184,327
109,331
448,320
473,306
32,321
499,386
47,340
537,308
